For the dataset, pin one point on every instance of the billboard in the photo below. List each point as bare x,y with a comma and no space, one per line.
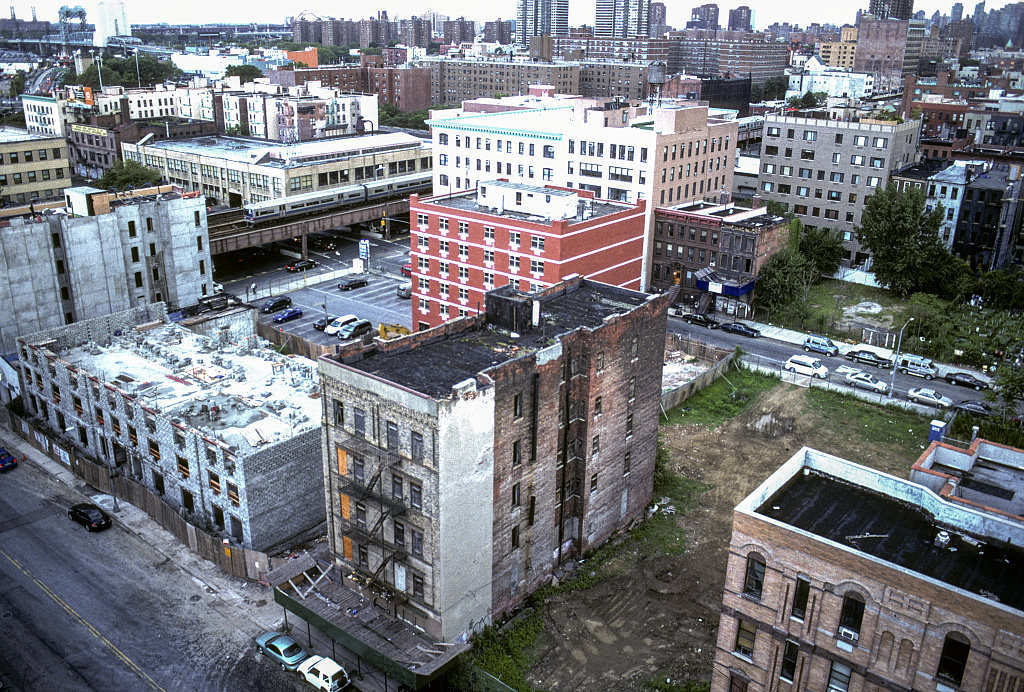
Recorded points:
80,94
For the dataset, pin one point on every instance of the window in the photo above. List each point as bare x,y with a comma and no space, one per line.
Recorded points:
399,534
515,495
517,453
536,267
800,594
417,543
415,495
417,446
595,447
753,582
629,424
417,586
597,406
810,136
359,422
339,413
358,469
593,483
627,462
745,635
789,657
214,483
839,677
397,487
517,406
955,650
183,468
360,515
851,617
857,160
489,233
515,529
537,243
364,556
877,162
233,494
860,140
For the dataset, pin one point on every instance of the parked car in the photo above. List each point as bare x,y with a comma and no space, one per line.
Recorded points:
821,344
218,287
321,324
90,516
806,365
275,304
287,315
300,265
863,380
354,281
965,379
323,673
404,290
335,326
974,407
702,320
282,649
909,364
928,397
355,329
740,328
7,460
870,358
407,269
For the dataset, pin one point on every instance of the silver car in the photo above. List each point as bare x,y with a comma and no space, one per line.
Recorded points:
929,397
863,380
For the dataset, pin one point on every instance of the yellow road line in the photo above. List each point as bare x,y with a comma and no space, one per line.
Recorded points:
85,623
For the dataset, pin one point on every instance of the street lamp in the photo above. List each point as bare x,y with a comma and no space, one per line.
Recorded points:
896,358
138,74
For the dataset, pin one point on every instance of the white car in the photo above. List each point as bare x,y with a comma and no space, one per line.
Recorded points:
334,327
806,365
323,673
863,380
929,397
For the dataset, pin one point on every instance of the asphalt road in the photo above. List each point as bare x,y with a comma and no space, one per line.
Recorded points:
772,353
105,611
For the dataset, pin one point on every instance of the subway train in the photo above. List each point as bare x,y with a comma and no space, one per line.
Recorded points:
345,196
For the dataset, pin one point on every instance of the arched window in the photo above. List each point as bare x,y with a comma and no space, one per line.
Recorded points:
851,617
955,650
753,582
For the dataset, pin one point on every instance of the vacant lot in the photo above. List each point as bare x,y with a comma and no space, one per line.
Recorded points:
646,610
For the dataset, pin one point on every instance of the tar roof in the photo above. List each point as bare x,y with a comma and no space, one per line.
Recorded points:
434,368
898,532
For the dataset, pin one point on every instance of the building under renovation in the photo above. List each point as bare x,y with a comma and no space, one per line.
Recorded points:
466,463
224,428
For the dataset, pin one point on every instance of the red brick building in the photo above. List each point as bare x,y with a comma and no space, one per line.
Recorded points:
846,579
466,244
406,88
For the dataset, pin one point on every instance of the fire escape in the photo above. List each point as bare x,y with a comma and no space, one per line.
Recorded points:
572,453
371,505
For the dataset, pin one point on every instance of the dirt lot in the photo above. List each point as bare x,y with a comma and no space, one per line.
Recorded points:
658,618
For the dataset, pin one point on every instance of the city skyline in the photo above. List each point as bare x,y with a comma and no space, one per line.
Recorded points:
802,12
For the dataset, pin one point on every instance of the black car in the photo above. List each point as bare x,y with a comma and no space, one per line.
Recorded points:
90,516
974,407
275,304
702,320
965,379
870,358
350,282
739,328
321,324
300,265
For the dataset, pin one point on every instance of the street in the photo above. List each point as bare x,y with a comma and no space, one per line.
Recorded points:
107,611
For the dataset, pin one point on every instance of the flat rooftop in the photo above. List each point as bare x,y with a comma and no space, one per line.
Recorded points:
895,521
280,155
247,397
468,201
434,367
987,474
15,134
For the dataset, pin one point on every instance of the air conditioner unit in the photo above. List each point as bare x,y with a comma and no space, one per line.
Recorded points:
848,634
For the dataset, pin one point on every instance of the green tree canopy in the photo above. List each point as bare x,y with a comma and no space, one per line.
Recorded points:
784,281
1008,392
124,174
1002,289
246,73
822,248
122,71
903,238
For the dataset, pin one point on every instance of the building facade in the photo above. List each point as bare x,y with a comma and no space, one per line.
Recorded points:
751,56
841,577
138,394
455,486
32,166
824,170
541,18
406,88
741,19
718,252
622,18
509,233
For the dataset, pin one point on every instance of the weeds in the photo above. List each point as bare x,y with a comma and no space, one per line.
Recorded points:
725,398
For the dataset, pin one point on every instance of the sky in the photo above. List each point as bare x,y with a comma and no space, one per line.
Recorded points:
801,12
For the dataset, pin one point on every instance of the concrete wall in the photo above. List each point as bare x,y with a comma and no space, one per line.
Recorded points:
30,298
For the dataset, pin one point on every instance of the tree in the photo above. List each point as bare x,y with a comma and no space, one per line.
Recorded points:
822,248
776,208
784,281
124,71
1008,390
246,73
1002,289
903,238
125,174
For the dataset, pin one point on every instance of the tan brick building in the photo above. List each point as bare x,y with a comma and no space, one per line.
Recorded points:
32,166
843,578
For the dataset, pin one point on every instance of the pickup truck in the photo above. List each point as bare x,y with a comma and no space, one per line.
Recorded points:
323,673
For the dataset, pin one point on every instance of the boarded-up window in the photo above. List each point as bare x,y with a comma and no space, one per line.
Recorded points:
342,462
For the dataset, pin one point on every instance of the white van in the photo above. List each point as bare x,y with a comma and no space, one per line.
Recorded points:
323,673
806,365
909,364
334,327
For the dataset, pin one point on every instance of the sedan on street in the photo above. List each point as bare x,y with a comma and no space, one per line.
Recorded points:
928,397
300,265
869,358
287,315
740,328
281,649
90,516
974,407
965,379
356,281
702,320
863,380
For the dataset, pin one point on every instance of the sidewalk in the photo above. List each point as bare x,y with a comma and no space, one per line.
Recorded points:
251,601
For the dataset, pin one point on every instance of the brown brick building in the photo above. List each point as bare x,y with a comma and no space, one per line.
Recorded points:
842,578
406,88
465,463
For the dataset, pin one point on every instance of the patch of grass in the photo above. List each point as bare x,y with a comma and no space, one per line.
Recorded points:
508,654
665,684
725,398
875,426
661,533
